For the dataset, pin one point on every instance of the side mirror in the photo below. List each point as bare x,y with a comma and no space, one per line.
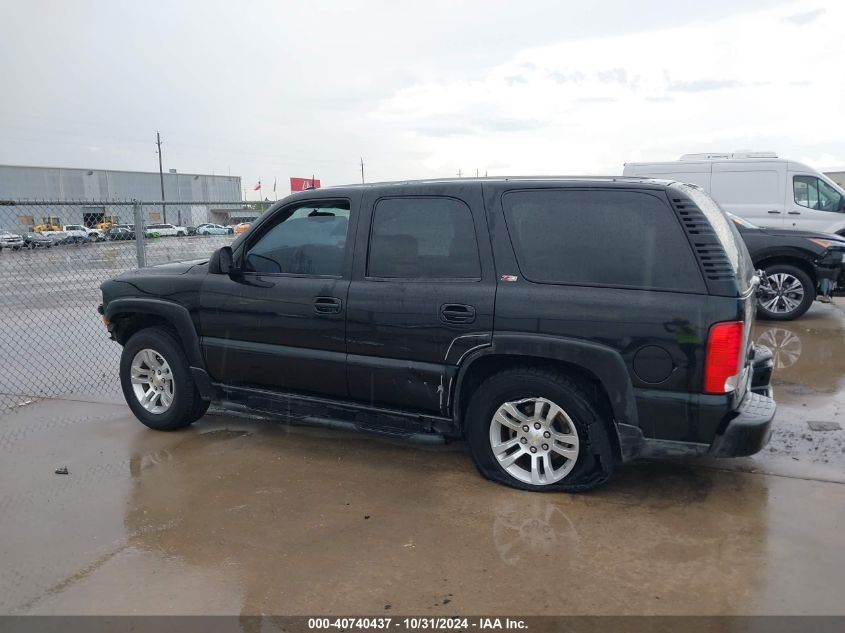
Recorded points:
222,262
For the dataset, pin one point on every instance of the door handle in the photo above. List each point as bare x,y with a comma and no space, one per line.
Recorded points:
777,212
327,305
457,313
794,213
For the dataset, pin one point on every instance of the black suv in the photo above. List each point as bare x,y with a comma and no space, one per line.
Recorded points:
561,326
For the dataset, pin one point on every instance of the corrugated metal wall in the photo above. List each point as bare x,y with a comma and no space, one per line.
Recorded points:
49,183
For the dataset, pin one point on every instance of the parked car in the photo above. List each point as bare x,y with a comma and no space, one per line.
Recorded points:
212,229
120,233
192,230
71,233
561,326
759,187
164,230
58,237
241,228
800,266
11,240
36,240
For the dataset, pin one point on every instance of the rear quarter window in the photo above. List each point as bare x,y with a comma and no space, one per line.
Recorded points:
600,237
726,231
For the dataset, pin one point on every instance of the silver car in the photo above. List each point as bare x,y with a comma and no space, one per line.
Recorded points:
10,240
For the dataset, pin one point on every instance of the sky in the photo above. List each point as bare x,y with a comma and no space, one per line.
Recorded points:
269,90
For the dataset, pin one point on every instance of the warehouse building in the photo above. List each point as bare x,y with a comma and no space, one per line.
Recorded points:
837,176
89,186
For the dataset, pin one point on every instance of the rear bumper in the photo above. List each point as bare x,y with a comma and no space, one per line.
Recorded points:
745,430
750,430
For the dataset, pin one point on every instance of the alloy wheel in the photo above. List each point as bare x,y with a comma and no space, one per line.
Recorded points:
534,441
782,294
152,381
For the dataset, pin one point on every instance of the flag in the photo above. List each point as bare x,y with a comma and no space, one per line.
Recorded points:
301,184
258,186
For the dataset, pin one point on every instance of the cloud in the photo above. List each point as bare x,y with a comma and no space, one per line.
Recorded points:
596,100
702,85
479,125
571,107
618,75
805,17
562,78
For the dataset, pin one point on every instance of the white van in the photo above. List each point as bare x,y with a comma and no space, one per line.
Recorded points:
760,187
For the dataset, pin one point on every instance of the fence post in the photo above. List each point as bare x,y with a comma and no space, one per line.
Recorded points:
139,234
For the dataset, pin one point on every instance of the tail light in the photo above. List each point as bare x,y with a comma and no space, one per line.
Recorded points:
723,361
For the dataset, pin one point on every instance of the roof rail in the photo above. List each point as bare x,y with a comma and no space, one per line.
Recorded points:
728,155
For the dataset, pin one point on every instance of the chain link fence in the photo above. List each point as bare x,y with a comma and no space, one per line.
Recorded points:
53,258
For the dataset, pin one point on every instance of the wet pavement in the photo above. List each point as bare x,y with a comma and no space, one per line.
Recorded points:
242,516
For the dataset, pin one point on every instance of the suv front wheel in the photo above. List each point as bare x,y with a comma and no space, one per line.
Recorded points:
157,382
538,429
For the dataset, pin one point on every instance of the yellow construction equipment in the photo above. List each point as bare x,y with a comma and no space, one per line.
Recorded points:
48,223
108,222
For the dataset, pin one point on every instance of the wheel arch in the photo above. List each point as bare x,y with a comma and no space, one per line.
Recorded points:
130,315
595,365
788,259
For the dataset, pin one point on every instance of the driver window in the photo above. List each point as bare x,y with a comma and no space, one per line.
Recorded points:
814,193
306,240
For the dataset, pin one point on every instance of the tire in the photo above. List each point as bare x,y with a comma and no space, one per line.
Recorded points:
781,277
180,234
574,412
185,405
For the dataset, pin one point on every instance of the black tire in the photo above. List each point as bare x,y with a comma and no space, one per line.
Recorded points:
807,286
180,234
594,464
187,406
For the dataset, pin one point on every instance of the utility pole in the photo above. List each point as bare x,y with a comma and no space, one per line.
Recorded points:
161,178
460,173
362,170
476,172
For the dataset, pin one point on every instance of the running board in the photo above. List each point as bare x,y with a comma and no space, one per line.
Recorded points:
312,411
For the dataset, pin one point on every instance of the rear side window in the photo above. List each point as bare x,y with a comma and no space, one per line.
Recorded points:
423,238
603,238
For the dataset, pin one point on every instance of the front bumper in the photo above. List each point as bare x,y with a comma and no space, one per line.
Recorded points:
750,430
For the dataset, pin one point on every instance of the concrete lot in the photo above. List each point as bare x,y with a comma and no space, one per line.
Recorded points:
241,516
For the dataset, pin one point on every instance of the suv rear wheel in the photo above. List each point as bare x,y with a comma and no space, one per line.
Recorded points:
787,294
538,429
157,382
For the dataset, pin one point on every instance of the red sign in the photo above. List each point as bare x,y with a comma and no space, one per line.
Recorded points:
301,184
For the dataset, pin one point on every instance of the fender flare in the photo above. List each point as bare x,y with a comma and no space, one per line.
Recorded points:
179,317
603,363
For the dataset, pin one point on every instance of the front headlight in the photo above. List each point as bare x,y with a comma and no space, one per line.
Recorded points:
828,243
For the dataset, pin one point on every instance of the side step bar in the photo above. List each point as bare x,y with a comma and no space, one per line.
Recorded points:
312,411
